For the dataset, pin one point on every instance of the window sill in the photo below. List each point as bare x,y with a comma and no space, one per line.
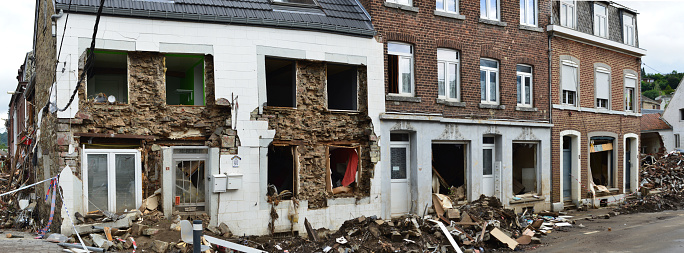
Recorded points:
526,109
493,22
394,97
342,111
449,15
492,106
526,199
401,7
450,102
187,105
531,28
278,108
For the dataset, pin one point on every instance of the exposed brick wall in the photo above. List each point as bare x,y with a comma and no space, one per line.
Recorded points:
510,45
312,127
588,122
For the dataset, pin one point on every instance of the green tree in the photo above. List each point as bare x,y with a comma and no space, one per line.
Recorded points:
646,86
668,90
652,94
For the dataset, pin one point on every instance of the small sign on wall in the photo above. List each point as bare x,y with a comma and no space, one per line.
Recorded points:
236,161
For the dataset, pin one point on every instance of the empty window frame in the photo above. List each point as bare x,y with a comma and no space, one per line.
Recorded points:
489,81
567,13
489,9
630,91
524,82
524,168
628,29
108,78
402,2
568,83
113,179
447,6
400,68
344,169
676,139
342,87
602,85
681,114
185,79
448,74
280,82
601,161
600,21
282,171
528,12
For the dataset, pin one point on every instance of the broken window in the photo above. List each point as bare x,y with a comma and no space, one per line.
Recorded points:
185,79
524,168
282,171
342,87
343,169
280,82
601,161
113,180
448,169
190,178
108,78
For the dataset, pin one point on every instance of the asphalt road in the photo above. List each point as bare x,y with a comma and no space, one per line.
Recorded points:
643,232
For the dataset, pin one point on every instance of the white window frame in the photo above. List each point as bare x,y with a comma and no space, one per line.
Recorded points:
628,30
598,28
522,90
446,4
448,59
564,14
488,71
630,107
596,87
524,8
576,91
402,2
403,56
488,8
111,176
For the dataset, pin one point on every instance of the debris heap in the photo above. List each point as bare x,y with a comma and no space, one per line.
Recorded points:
661,186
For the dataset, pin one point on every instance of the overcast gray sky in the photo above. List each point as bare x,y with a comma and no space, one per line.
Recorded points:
661,33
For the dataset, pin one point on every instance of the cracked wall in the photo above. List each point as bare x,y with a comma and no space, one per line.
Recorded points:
312,127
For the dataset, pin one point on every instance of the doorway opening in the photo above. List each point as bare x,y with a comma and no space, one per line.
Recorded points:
524,168
448,169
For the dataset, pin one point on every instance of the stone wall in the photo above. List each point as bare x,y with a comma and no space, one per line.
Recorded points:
312,127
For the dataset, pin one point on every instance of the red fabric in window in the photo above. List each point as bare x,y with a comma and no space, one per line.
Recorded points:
348,155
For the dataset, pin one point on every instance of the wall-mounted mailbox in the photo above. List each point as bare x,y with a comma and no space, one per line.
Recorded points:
220,182
234,182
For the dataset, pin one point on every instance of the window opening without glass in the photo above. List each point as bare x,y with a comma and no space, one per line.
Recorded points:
342,87
185,80
601,157
524,168
524,83
448,77
280,82
282,168
108,77
448,173
489,81
343,169
400,68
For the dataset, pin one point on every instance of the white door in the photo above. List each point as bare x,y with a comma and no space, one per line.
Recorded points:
399,166
488,168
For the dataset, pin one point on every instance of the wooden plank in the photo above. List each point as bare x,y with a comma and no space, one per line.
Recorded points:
120,136
233,246
499,235
310,231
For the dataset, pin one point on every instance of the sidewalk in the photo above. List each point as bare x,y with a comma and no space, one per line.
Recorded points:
26,244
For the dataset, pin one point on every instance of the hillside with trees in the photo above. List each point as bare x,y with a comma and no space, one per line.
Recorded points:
663,84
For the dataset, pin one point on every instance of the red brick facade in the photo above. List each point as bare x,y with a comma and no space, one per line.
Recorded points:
509,44
589,122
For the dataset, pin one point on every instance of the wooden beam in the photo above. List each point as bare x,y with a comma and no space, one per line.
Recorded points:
120,136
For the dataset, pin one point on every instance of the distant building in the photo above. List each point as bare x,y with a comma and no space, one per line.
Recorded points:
647,103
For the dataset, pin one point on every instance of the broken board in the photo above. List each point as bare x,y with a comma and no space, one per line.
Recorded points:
502,237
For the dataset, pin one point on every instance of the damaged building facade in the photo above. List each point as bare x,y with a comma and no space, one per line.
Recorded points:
466,98
258,115
595,63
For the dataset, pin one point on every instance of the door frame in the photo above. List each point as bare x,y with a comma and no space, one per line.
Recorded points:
634,170
576,180
407,146
495,170
191,157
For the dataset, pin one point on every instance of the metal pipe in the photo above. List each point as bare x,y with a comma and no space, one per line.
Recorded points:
56,16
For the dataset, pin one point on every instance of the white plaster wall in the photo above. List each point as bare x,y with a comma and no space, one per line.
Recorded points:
672,116
235,70
471,133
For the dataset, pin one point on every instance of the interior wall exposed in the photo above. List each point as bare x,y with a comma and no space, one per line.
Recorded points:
448,161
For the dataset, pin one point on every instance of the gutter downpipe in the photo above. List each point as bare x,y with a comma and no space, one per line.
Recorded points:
550,97
59,15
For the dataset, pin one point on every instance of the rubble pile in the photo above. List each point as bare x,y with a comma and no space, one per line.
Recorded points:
478,226
661,187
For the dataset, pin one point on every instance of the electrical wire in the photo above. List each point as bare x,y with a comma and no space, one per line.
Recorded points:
66,21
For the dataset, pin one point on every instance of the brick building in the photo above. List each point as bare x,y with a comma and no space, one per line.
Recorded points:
466,101
595,64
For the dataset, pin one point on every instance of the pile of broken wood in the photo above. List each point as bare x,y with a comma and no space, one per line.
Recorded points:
661,185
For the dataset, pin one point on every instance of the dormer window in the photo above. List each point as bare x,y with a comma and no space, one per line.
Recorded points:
297,2
600,21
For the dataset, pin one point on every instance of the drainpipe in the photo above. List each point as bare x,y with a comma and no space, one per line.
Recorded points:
56,16
551,99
